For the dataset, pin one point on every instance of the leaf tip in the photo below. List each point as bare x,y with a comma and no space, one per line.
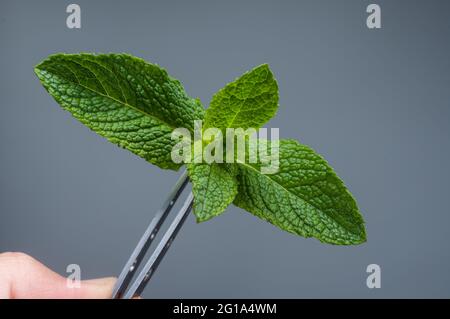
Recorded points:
363,236
359,238
202,218
264,66
38,71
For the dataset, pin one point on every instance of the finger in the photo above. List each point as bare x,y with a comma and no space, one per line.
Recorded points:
22,276
96,288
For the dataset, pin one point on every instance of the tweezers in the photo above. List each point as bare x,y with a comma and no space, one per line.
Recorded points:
133,263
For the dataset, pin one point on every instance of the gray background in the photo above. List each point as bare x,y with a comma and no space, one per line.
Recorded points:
375,103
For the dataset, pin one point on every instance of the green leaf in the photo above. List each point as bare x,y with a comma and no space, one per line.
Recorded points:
132,103
249,101
214,187
305,197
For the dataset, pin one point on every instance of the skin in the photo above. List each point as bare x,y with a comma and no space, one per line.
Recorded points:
23,277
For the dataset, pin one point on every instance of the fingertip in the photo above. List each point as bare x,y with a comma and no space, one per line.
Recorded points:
100,288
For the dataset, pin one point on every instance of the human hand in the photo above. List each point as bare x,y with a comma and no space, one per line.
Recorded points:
23,277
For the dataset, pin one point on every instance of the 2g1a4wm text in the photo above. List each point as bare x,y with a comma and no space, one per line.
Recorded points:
230,308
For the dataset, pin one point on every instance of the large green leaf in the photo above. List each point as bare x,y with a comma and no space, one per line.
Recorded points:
132,103
249,101
304,197
214,187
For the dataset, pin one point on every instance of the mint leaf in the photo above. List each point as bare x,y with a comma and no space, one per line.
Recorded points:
305,197
249,101
132,103
214,187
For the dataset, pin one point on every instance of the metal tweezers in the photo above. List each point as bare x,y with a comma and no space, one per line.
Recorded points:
146,240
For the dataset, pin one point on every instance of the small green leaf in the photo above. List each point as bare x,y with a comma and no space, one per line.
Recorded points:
248,102
305,197
214,187
132,103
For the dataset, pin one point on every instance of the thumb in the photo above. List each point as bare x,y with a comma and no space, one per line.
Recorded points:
94,289
22,276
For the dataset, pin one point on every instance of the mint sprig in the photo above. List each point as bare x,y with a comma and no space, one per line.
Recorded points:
137,105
